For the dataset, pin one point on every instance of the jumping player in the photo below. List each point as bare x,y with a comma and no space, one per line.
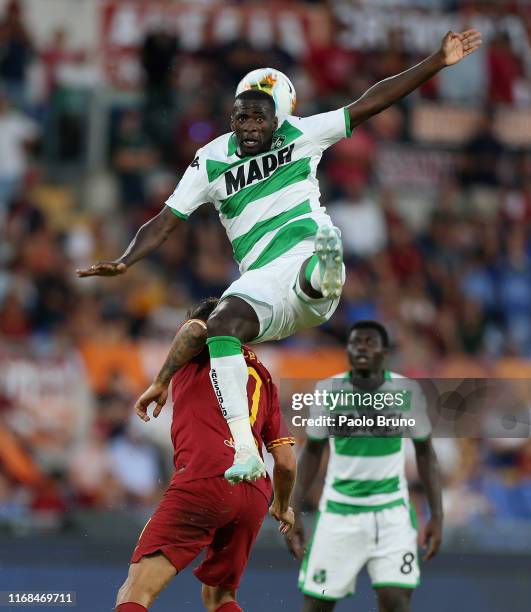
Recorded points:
200,509
365,517
261,178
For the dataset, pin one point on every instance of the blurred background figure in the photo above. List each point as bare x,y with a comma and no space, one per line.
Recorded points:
19,132
16,52
102,107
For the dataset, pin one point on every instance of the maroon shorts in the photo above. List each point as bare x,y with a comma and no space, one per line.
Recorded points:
207,513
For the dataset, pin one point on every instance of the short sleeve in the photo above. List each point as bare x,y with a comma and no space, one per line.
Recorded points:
419,413
275,432
325,129
317,432
191,190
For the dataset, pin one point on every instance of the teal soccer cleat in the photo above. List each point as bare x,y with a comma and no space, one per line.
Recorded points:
247,466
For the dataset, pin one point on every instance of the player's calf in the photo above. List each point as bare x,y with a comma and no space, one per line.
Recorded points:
219,599
145,580
393,599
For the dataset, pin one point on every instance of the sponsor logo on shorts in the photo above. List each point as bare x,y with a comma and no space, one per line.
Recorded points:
319,576
217,391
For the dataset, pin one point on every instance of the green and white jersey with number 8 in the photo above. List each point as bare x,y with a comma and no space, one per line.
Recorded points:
365,518
367,470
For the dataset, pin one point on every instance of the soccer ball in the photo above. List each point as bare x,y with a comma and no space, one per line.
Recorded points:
273,82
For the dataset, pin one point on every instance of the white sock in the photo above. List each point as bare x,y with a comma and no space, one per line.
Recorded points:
313,273
229,375
315,276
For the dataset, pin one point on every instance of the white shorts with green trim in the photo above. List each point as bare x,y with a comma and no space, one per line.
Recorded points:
385,541
274,294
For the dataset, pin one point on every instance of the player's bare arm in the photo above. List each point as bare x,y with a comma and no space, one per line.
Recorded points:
188,342
430,477
307,469
148,238
454,48
283,480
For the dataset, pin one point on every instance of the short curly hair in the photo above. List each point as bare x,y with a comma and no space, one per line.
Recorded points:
371,325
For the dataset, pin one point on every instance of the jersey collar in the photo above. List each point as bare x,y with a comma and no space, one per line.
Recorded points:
386,375
232,145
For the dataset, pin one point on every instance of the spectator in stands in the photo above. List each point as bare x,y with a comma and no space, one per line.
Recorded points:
332,68
351,161
14,319
54,57
18,133
503,70
135,464
16,53
471,326
90,471
361,221
14,501
134,157
158,54
481,155
514,287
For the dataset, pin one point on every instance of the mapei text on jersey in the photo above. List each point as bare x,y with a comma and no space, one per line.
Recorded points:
256,169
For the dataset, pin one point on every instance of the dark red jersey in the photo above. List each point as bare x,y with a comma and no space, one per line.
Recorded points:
201,437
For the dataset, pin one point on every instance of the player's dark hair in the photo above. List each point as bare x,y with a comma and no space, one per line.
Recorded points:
371,325
203,310
261,96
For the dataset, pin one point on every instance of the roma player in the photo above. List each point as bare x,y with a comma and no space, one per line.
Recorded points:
200,509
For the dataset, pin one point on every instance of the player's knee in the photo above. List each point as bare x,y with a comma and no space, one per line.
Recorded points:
233,317
219,324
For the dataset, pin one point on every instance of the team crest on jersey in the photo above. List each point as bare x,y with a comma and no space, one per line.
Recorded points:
320,576
278,141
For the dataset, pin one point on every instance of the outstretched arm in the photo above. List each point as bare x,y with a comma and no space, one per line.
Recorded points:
453,49
188,342
150,236
430,477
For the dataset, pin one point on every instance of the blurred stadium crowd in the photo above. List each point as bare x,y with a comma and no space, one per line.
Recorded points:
433,197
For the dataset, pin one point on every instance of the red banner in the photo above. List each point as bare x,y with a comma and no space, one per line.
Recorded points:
124,25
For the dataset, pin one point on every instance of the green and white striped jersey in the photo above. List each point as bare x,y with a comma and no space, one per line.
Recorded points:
269,202
367,472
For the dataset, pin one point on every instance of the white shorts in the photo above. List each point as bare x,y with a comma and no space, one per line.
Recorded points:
274,294
385,541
